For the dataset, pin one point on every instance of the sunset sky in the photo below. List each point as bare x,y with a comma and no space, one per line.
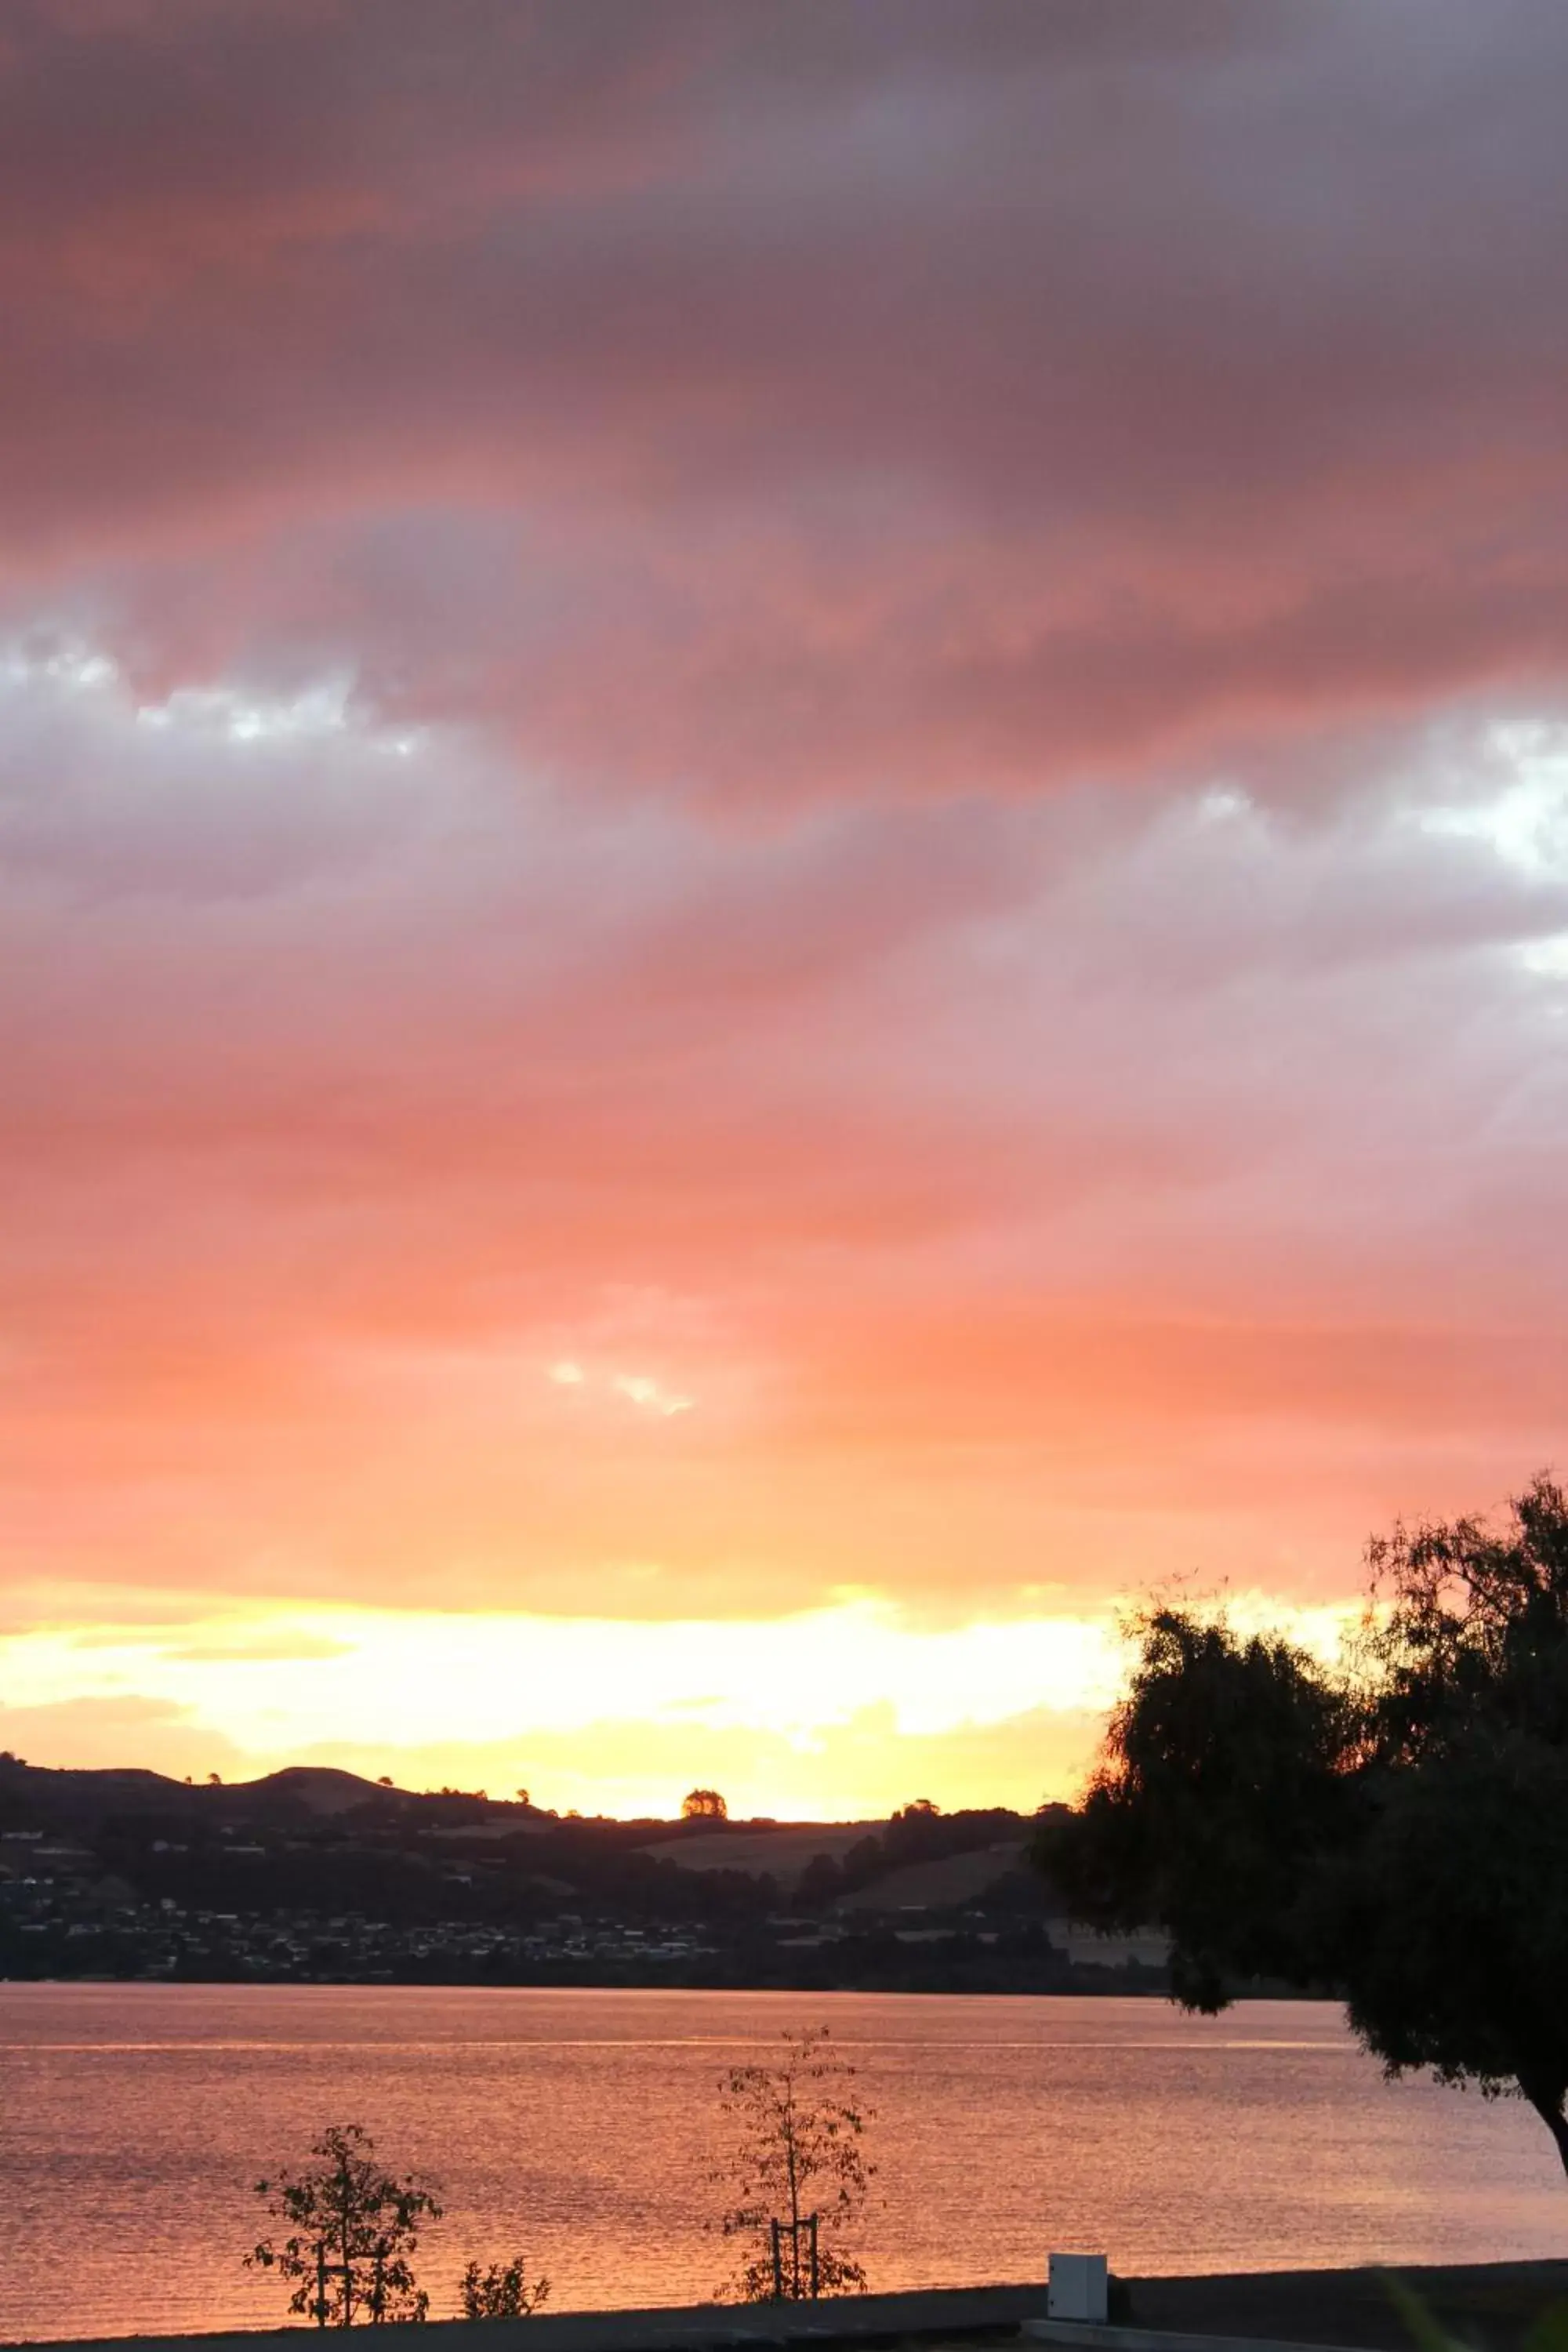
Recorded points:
783,864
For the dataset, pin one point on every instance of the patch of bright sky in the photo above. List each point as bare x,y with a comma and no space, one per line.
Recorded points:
1549,958
639,1389
269,1679
71,667
322,710
230,713
1222,804
1525,821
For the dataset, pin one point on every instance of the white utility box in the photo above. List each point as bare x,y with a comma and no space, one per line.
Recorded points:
1079,2288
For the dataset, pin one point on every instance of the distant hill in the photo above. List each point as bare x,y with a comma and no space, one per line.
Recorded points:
918,1858
85,1794
949,1882
781,1849
310,1873
320,1786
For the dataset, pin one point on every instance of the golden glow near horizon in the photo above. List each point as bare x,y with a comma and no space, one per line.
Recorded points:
583,1711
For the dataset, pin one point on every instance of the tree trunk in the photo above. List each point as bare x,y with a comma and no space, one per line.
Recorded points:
794,2200
348,2274
1548,2106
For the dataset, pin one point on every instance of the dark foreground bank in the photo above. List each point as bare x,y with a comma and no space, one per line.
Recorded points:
1491,2305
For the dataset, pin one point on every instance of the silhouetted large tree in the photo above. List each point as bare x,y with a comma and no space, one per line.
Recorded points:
1397,1830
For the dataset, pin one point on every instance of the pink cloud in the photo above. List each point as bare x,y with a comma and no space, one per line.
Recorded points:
967,401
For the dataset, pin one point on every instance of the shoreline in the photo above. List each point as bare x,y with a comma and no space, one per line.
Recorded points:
1115,1988
1492,2303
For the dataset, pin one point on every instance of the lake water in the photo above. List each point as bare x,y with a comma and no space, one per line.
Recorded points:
582,2125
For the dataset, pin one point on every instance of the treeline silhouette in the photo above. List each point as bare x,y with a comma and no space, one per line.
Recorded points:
311,1876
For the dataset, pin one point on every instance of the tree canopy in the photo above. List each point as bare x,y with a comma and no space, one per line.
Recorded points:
796,2172
352,2231
501,2292
1394,1829
703,1805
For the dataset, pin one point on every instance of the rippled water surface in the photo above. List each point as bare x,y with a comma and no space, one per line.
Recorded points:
583,2126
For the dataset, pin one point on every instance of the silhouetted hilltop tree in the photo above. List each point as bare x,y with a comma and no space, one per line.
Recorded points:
1397,1829
703,1805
